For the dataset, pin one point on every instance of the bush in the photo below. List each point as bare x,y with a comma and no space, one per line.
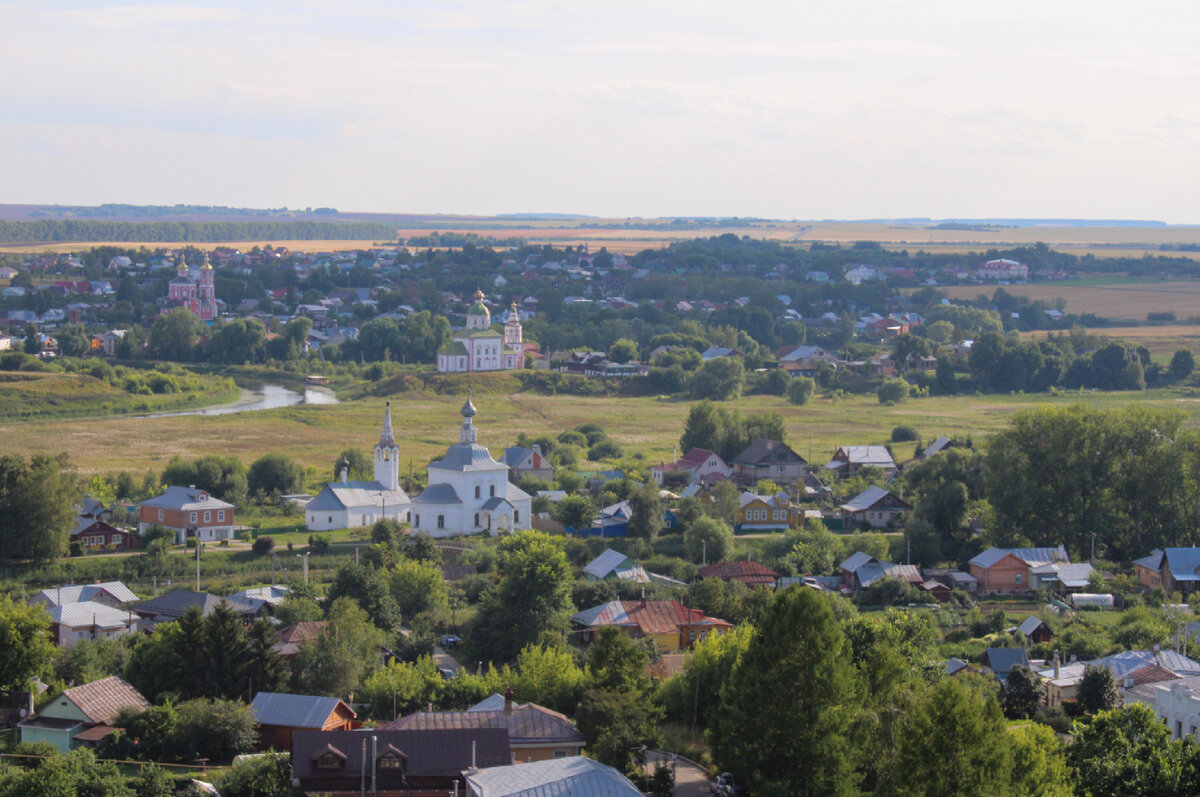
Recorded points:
264,544
800,391
605,449
893,391
573,438
905,434
319,543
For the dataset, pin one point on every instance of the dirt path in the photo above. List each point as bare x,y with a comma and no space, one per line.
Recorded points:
690,779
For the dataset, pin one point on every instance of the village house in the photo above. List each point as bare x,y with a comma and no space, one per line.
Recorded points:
110,593
860,570
768,459
280,715
170,606
82,715
72,622
1006,570
188,512
702,467
847,460
96,535
534,733
398,762
875,507
524,462
1131,668
767,512
614,565
1173,569
670,624
292,636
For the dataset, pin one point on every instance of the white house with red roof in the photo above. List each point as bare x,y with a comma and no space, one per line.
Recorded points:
701,465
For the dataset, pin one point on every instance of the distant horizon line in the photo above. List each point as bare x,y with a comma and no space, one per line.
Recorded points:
332,213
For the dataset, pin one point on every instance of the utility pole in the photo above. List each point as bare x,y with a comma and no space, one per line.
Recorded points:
703,552
196,536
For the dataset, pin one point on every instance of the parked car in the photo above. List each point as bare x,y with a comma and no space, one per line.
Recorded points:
449,640
727,784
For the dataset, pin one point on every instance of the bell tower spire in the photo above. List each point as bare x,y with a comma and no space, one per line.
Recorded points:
387,454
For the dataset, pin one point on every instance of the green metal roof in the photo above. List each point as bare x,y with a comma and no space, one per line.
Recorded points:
455,348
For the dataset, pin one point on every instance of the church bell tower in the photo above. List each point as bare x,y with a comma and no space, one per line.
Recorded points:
387,454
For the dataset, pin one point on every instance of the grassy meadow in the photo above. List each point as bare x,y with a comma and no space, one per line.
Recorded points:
25,396
427,422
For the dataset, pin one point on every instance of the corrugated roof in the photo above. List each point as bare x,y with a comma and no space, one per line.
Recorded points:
1184,563
295,711
176,603
1030,624
77,615
335,496
649,617
257,596
186,498
1152,562
467,457
867,499
528,723
741,570
1001,660
574,776
101,700
79,593
856,560
606,563
1031,556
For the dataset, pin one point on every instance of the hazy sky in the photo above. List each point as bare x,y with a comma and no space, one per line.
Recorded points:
611,107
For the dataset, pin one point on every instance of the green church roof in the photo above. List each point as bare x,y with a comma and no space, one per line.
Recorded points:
478,309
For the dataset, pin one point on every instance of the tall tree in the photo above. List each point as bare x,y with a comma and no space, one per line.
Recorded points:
37,499
173,335
1126,751
25,647
647,512
805,748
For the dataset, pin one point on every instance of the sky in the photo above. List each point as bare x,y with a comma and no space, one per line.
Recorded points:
863,109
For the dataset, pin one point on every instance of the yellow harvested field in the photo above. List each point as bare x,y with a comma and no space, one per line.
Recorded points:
1162,341
1132,301
300,246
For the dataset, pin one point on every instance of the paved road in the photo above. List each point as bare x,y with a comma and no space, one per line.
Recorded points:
690,780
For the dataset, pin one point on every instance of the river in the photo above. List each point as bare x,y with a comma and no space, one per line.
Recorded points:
260,396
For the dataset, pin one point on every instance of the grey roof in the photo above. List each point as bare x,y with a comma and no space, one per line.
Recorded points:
188,498
606,563
257,596
438,494
936,446
1152,562
1069,575
386,438
494,503
763,451
1125,662
513,456
1184,563
295,711
1001,660
177,602
573,776
856,560
493,702
954,665
866,499
1032,556
78,593
442,753
467,457
88,613
1030,624
864,455
336,496
514,493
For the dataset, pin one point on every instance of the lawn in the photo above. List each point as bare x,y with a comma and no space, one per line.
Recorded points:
427,423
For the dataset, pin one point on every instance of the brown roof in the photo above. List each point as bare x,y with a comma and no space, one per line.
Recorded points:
300,632
95,733
751,573
442,752
101,700
528,723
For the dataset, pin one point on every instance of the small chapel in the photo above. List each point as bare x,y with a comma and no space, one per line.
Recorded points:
478,347
347,504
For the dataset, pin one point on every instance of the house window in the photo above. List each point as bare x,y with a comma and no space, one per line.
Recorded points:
220,515
160,516
208,516
560,753
516,516
441,521
416,520
193,517
389,761
1017,578
329,761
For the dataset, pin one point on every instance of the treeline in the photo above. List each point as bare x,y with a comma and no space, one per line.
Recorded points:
67,230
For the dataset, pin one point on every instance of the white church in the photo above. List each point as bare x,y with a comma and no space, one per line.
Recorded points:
350,504
478,347
469,492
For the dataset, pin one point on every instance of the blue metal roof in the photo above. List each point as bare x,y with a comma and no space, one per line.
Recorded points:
1184,563
294,711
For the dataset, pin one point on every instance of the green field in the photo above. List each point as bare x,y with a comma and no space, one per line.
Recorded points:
427,422
31,395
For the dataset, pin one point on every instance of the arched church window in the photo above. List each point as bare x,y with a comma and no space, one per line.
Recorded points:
477,495
476,518
492,491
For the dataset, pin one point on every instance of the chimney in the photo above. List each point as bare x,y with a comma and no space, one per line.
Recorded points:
1128,681
508,696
